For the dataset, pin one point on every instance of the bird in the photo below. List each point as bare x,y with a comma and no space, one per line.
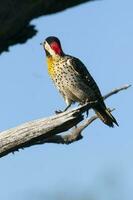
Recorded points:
73,80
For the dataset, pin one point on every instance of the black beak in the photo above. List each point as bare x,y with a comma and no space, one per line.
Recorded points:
42,43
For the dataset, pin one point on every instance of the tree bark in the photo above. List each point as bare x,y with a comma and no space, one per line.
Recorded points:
47,130
15,17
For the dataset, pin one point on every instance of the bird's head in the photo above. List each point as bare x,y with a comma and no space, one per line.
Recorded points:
52,46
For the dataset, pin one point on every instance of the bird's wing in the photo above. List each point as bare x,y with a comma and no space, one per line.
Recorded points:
85,76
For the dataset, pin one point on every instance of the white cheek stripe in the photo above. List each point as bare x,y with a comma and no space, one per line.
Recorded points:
48,48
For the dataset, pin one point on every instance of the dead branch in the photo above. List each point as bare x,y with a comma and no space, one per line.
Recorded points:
75,134
47,130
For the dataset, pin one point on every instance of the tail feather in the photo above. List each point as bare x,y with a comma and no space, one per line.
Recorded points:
105,115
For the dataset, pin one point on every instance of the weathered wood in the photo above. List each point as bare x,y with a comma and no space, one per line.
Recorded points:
45,130
25,135
75,134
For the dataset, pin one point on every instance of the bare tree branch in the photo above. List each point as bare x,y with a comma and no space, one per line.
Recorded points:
45,130
116,90
75,134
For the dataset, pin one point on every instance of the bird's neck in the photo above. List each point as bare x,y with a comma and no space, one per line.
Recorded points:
51,62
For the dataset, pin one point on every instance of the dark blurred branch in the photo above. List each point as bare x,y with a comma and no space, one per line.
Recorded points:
45,130
15,18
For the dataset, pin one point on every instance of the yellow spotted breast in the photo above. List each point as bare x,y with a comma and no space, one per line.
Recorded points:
51,70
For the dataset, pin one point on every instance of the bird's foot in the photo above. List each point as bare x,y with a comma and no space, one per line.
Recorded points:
58,112
87,113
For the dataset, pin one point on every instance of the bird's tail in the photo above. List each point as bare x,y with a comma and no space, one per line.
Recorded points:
105,115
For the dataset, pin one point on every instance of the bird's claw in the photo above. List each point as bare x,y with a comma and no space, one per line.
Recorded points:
58,112
87,113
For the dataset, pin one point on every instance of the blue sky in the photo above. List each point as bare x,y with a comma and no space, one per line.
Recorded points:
101,165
